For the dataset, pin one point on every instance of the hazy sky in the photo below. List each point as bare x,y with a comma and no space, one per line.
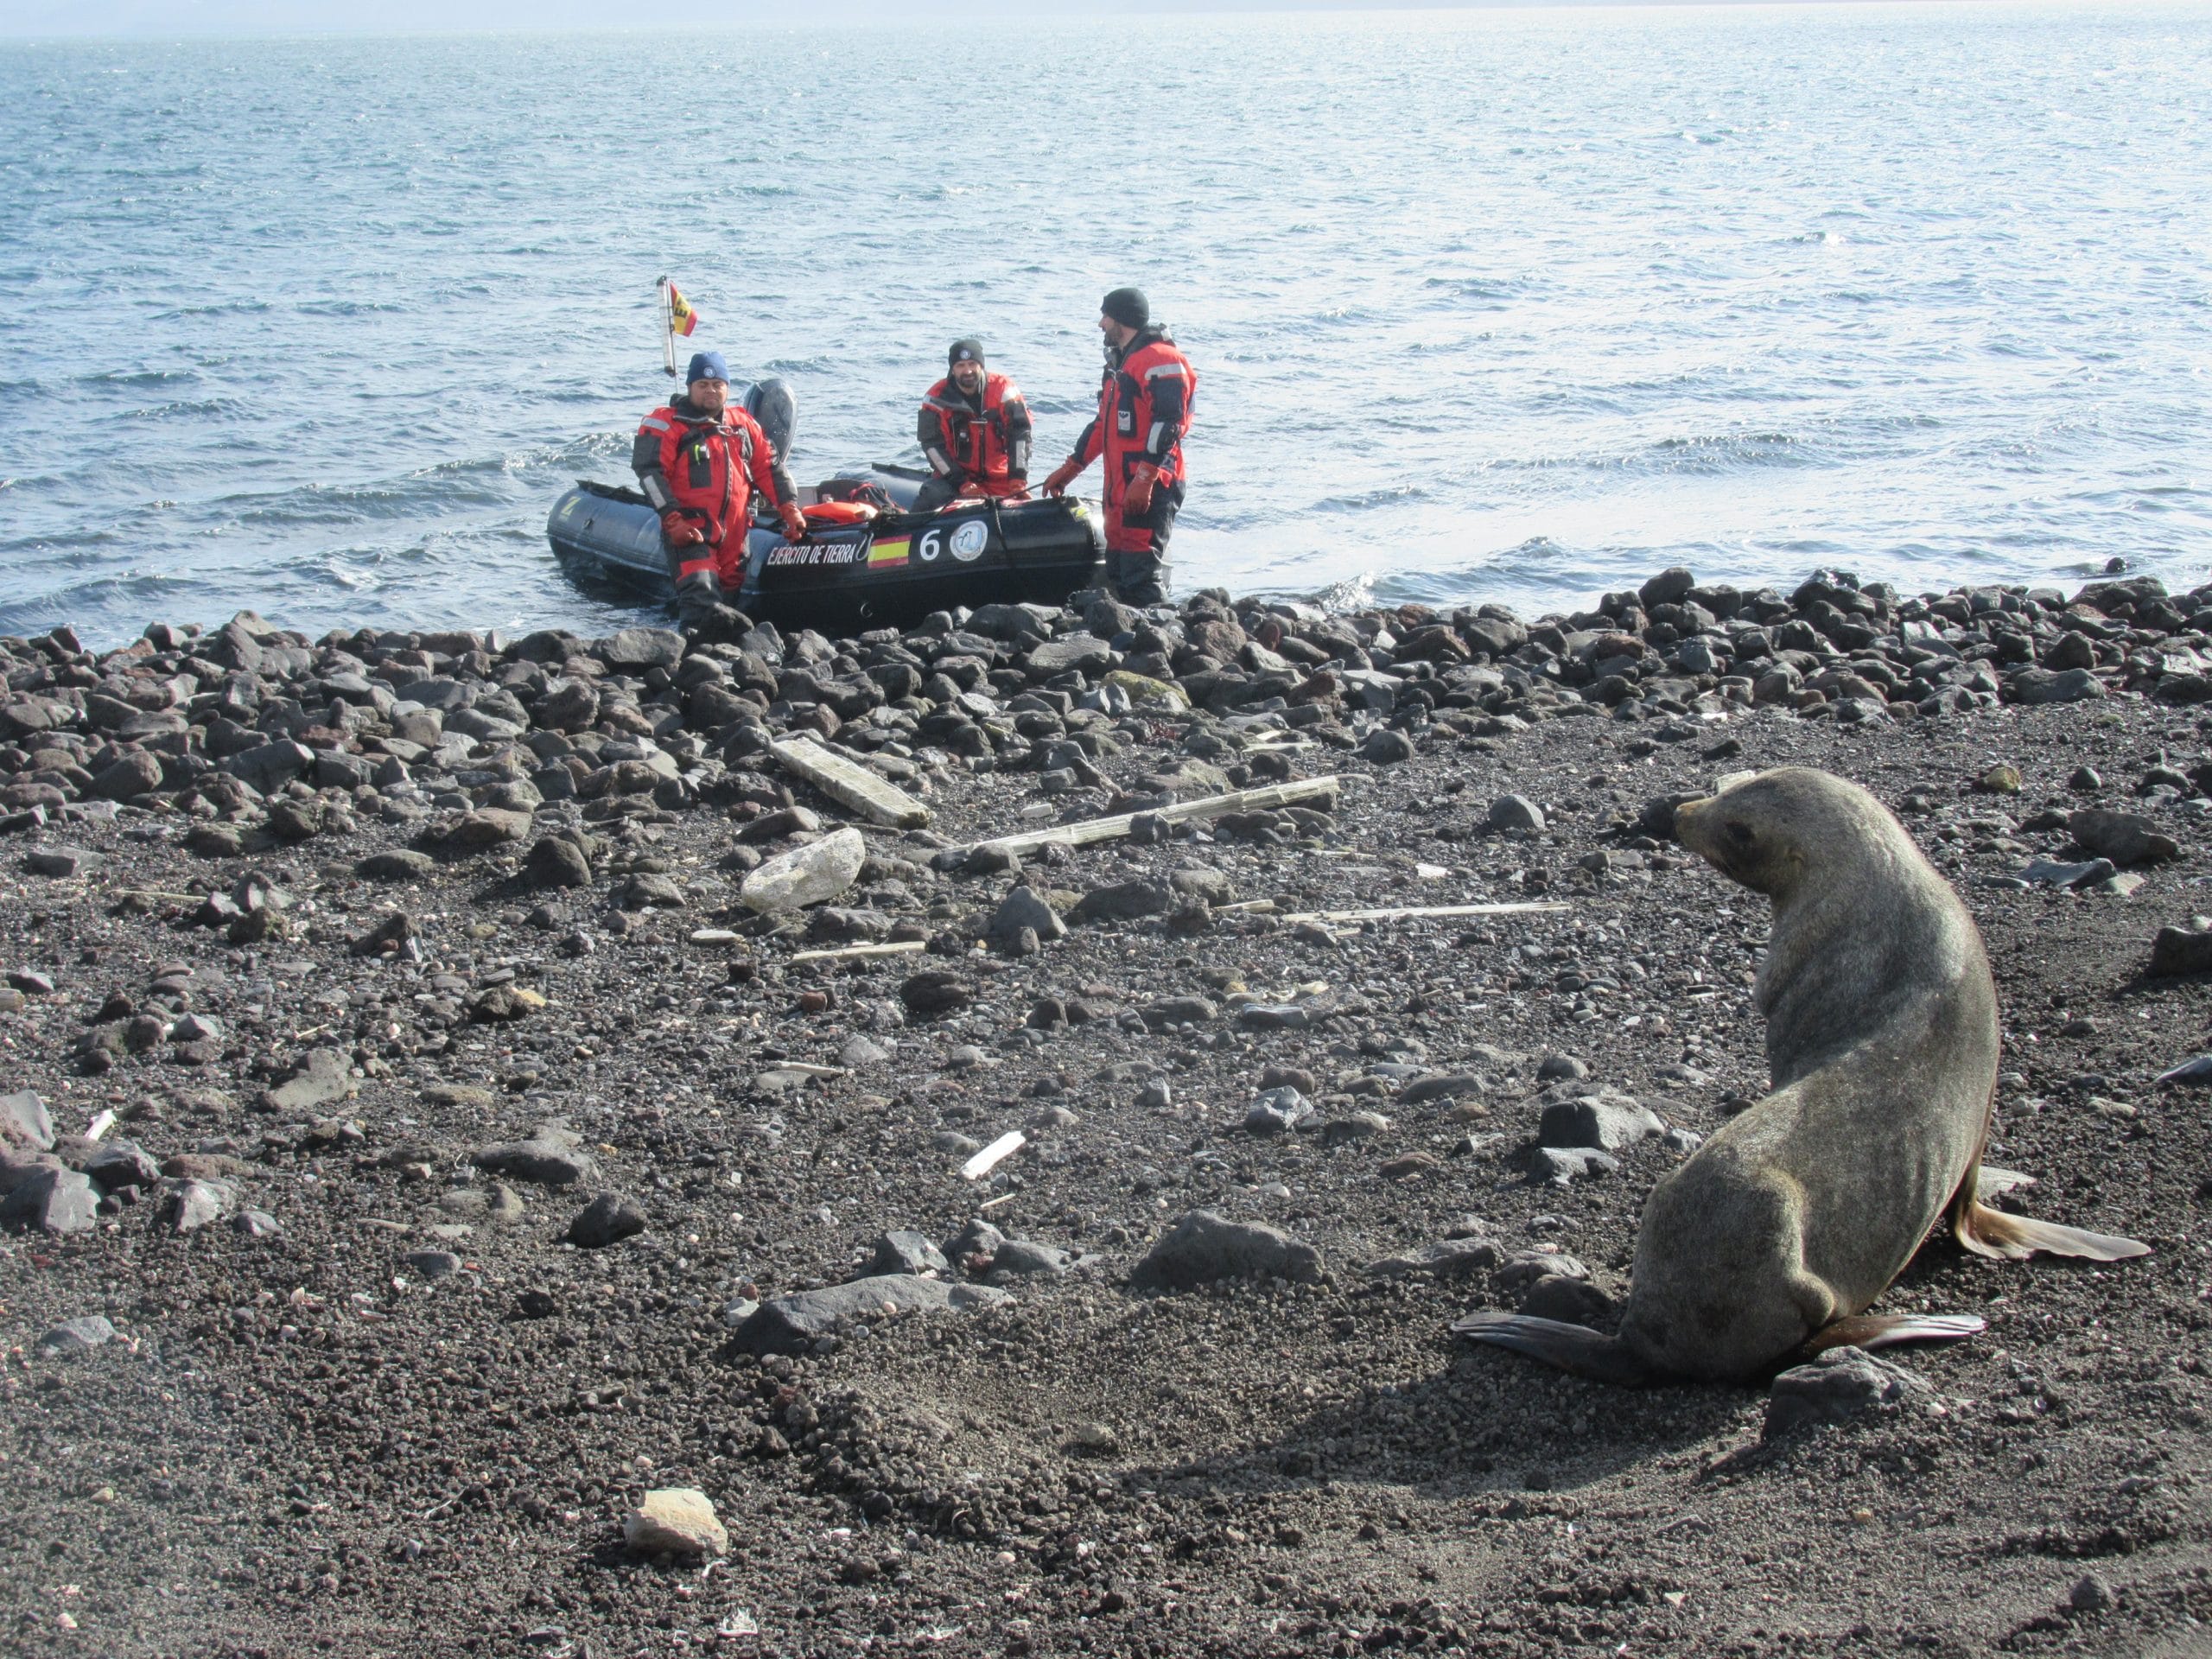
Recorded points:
170,17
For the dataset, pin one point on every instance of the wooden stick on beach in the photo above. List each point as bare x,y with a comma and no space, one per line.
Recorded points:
1414,912
1208,806
861,952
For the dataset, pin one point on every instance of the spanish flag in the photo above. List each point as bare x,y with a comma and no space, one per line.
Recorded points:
888,555
682,319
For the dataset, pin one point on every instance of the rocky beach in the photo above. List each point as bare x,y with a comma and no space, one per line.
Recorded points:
970,1140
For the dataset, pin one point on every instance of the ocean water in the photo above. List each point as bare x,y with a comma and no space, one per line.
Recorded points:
1510,304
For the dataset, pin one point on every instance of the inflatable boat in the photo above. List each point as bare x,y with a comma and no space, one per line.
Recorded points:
868,560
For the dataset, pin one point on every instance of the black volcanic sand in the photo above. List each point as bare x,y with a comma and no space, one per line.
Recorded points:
306,1435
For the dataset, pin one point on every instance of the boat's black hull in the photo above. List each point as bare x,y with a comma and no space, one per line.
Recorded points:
846,578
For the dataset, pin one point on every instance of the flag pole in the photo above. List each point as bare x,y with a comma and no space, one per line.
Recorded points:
667,327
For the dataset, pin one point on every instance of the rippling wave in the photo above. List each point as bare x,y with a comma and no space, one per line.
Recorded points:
1514,305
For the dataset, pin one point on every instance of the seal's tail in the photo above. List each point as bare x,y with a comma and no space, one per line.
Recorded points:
2015,1238
1573,1348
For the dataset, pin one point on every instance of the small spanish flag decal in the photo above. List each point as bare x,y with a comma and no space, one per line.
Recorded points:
682,319
886,555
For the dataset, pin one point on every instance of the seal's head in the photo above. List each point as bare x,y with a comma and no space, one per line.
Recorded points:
1764,828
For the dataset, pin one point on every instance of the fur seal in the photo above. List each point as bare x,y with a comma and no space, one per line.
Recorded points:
1767,1245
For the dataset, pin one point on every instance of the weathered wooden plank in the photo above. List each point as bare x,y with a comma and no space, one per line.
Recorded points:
1208,806
849,784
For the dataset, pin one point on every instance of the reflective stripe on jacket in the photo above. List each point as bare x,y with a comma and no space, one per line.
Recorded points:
1145,401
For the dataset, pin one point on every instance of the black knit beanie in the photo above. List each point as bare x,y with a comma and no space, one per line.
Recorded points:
1127,306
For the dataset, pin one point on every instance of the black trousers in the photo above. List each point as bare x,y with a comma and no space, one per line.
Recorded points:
939,492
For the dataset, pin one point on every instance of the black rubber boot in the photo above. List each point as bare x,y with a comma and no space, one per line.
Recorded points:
698,597
724,623
1140,581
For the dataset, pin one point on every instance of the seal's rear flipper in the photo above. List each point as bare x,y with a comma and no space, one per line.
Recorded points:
2015,1238
1573,1348
1888,1330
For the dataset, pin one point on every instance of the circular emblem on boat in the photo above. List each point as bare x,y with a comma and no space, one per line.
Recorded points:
970,541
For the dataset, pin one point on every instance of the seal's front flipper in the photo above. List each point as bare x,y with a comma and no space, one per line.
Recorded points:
1888,1330
2015,1238
1573,1348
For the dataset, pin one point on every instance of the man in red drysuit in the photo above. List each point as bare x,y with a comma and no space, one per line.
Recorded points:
1144,409
974,429
699,459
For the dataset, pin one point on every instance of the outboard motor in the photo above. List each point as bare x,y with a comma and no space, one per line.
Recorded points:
771,402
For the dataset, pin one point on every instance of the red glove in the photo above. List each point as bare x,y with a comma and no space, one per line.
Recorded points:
794,522
1062,476
679,532
1136,500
